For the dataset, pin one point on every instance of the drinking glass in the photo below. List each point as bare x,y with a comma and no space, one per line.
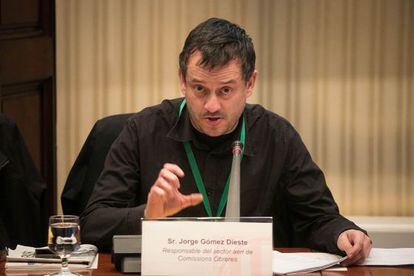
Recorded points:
64,238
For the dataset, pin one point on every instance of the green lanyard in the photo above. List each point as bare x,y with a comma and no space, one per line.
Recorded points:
196,172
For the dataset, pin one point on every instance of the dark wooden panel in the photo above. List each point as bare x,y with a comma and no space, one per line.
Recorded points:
23,18
27,80
23,104
23,60
31,106
20,12
26,18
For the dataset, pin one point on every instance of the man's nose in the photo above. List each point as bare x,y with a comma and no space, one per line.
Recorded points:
212,104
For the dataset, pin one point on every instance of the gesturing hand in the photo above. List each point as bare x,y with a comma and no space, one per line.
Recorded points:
164,199
356,245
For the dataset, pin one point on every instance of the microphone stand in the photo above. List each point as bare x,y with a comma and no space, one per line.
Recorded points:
233,197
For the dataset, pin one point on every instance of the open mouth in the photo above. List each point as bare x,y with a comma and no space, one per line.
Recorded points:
213,119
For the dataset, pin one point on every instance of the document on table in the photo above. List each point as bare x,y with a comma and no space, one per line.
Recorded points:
286,263
390,256
24,258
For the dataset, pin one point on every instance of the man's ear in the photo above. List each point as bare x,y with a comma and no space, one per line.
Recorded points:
181,79
251,83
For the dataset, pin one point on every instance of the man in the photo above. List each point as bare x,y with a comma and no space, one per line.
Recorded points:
147,171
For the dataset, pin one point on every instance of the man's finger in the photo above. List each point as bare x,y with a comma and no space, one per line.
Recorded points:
170,177
345,245
174,169
166,186
157,193
366,248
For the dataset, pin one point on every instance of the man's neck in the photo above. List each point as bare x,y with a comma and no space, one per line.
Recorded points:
215,141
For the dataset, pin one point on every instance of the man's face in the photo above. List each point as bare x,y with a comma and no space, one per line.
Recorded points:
215,98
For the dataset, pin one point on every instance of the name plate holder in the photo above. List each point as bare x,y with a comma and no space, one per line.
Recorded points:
207,246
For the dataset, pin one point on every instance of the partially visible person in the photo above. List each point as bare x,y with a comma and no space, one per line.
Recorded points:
23,213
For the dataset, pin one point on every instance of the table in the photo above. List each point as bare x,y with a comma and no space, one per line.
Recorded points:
106,268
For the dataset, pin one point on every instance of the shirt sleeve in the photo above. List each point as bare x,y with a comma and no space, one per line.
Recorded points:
312,209
113,207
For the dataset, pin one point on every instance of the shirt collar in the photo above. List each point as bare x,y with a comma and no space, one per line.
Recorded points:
182,131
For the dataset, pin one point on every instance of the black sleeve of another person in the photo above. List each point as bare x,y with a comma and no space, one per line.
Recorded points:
23,201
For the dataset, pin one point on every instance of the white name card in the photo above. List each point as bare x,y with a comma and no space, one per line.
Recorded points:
203,247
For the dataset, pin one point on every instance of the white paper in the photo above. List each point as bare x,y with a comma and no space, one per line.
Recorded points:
87,253
390,256
336,268
285,263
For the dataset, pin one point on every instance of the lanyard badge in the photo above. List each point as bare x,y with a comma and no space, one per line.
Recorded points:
196,172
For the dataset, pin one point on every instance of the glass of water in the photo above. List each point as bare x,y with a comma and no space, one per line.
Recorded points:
64,238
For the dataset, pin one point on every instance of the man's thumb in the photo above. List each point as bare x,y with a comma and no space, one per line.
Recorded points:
192,200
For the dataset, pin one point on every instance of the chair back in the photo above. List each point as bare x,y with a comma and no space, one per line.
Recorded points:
89,163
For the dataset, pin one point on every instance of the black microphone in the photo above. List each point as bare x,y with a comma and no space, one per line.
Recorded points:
233,197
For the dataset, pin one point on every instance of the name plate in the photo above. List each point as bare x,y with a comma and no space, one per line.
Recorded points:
203,246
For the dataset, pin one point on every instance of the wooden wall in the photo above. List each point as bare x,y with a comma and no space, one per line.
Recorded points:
27,79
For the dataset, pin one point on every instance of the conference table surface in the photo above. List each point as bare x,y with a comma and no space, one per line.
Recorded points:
106,268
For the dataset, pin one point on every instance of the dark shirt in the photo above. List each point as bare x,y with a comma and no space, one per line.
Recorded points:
278,177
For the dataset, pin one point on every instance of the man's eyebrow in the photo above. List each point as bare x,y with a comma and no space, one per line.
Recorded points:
196,80
231,81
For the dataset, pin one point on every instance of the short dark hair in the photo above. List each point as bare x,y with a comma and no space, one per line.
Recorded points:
219,42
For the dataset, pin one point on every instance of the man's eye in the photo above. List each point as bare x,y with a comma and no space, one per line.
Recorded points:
199,88
226,90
